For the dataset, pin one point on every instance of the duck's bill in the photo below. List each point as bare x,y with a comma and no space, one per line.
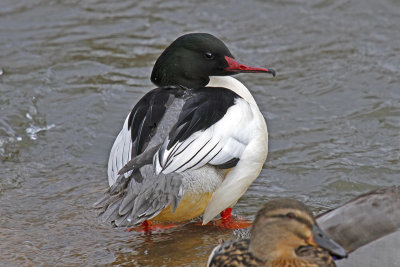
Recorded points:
236,67
322,240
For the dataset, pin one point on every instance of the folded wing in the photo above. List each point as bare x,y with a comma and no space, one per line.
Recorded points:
213,128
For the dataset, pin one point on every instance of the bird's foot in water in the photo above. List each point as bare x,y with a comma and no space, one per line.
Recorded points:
228,221
148,227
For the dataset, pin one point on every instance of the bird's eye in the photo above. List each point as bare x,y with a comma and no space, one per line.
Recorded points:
290,215
209,55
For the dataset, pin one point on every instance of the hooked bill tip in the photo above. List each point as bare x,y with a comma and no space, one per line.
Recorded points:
273,72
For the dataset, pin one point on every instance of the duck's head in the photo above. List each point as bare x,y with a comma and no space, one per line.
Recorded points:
284,225
192,58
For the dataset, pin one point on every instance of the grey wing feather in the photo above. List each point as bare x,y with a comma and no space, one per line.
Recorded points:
132,203
140,160
136,193
147,125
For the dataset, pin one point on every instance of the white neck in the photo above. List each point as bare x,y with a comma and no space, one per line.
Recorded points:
233,85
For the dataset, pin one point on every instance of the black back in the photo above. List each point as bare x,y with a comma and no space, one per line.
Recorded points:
203,107
148,112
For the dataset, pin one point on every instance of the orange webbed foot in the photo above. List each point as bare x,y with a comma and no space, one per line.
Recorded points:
228,221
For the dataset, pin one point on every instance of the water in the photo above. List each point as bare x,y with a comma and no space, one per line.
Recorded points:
71,71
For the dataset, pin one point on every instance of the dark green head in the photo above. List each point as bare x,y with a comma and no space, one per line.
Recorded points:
192,58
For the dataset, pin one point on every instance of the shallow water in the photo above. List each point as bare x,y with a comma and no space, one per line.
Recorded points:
71,71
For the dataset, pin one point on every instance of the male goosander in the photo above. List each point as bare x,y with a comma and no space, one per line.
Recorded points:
284,233
193,145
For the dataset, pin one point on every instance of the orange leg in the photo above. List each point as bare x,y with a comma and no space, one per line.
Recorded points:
226,214
228,221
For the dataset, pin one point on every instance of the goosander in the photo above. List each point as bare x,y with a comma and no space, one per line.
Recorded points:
193,145
284,233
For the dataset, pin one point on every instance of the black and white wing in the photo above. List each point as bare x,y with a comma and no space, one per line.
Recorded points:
214,127
140,127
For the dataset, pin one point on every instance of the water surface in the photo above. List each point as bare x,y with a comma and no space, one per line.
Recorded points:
70,71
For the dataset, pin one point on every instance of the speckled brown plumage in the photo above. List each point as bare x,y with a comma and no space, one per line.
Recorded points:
236,254
284,234
318,256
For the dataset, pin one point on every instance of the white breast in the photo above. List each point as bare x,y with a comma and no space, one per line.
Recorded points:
249,167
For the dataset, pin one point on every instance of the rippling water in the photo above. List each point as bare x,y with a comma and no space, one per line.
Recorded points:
70,71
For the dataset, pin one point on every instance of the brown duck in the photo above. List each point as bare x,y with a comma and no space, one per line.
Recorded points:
284,233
